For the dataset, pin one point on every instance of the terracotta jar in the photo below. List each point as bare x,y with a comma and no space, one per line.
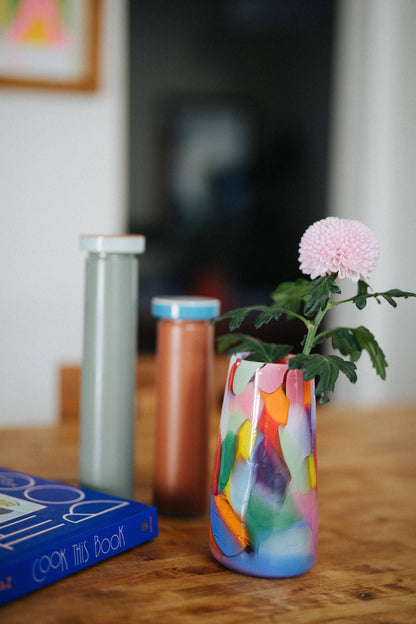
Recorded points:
185,347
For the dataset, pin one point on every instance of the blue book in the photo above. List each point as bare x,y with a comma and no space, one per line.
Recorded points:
49,530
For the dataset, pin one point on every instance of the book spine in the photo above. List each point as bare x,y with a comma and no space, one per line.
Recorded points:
67,556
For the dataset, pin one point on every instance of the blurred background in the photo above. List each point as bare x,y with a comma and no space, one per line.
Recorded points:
229,124
220,131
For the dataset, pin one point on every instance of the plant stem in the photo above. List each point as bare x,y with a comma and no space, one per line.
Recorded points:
337,303
313,328
293,314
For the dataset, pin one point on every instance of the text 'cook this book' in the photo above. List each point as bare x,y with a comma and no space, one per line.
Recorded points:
49,530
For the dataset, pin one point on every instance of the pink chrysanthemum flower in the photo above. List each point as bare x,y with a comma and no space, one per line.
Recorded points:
343,246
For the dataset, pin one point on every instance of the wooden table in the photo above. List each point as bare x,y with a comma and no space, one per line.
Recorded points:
366,569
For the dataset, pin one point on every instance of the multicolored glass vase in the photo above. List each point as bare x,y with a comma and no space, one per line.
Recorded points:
263,501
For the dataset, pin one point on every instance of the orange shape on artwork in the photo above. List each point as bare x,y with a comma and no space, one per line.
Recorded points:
37,32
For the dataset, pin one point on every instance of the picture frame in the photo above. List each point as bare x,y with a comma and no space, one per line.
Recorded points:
50,44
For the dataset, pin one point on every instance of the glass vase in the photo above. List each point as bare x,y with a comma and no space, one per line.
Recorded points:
263,500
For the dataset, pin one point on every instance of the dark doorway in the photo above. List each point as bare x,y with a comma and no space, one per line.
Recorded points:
229,116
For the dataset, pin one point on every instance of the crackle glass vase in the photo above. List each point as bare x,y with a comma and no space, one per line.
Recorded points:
263,500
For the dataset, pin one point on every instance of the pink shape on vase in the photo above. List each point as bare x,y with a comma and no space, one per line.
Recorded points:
271,376
307,504
248,401
294,386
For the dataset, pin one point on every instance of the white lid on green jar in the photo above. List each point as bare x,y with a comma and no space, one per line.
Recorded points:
117,244
185,308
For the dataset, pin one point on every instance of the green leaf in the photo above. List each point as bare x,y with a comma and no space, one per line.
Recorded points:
396,292
227,340
326,367
237,316
389,299
275,352
362,295
289,295
320,294
269,314
259,351
389,295
353,342
344,340
370,344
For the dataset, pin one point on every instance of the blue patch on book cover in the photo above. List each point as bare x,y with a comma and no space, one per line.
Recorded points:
49,530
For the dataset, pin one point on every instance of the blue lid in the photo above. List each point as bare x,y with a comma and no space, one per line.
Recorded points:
186,308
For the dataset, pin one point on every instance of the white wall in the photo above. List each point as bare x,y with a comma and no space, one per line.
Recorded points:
62,173
374,177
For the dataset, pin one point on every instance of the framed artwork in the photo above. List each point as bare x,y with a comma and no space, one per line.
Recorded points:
50,44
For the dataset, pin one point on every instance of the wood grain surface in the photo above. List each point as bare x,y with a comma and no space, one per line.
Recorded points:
366,568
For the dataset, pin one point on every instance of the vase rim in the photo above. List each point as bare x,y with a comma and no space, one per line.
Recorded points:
243,357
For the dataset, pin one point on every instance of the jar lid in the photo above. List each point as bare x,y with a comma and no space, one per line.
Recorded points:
185,308
118,244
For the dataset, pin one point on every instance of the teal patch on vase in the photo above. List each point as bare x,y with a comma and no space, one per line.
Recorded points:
228,455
